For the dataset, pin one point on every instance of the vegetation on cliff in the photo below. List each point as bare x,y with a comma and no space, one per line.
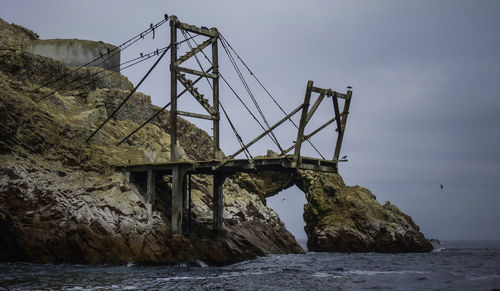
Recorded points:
60,200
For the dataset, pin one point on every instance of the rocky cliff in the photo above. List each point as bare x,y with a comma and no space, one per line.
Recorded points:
60,200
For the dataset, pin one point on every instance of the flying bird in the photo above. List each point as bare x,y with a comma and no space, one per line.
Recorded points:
349,87
344,157
442,186
282,199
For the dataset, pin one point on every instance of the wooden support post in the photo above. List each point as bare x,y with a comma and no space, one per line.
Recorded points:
337,113
215,90
302,124
173,88
150,190
190,202
218,203
340,137
178,192
314,107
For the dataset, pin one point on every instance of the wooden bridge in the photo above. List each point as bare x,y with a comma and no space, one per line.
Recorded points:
220,166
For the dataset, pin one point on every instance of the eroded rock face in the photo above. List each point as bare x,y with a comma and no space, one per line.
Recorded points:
342,218
60,200
350,219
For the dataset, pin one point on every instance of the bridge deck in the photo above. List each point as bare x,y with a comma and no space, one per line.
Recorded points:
237,165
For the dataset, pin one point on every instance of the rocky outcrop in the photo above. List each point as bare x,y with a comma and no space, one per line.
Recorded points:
342,218
60,200
350,219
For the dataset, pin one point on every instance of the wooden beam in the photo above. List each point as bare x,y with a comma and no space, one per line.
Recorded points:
194,51
150,190
218,203
198,30
302,124
173,86
337,113
178,193
340,137
197,96
314,107
259,137
215,96
195,115
308,136
331,92
196,72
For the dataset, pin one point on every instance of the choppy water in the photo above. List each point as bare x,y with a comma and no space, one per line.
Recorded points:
454,265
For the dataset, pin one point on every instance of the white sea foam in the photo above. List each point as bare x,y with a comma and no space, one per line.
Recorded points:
324,275
371,273
482,277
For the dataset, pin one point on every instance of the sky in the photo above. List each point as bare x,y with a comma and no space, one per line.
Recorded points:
425,74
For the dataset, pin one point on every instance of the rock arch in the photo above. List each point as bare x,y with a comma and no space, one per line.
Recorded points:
340,217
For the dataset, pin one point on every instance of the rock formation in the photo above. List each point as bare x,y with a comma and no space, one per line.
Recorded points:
60,200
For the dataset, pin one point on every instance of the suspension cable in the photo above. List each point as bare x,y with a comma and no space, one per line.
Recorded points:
137,61
267,91
235,132
130,94
234,92
115,51
249,91
240,140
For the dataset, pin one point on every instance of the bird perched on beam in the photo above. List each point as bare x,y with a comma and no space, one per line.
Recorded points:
349,87
151,26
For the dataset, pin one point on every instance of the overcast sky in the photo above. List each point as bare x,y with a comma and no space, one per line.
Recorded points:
426,98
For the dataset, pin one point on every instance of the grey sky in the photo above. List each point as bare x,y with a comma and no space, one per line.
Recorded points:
426,78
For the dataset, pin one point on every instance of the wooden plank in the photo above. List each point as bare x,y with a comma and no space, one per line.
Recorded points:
302,124
206,32
195,115
196,72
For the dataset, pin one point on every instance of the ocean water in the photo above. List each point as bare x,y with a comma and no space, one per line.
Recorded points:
454,265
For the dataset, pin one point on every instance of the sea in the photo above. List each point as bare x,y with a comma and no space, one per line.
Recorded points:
453,265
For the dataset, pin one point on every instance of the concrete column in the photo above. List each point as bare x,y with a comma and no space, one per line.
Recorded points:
218,203
178,192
